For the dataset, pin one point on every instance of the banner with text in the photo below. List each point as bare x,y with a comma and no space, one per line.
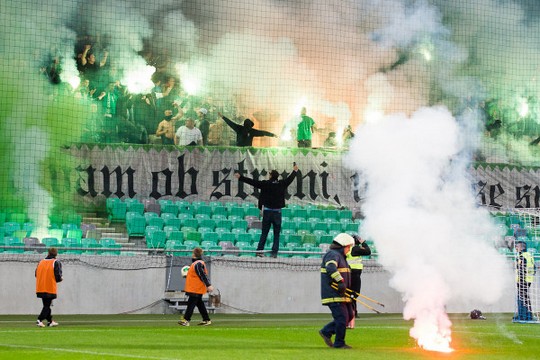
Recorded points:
207,174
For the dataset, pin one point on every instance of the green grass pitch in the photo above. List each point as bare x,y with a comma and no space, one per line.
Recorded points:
268,336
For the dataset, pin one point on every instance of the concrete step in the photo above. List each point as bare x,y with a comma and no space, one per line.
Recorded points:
104,229
114,235
122,241
95,220
88,214
127,245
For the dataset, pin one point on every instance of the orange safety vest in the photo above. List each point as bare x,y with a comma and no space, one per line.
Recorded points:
45,280
194,284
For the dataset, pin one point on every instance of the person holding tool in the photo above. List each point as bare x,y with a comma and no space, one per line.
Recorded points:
354,258
335,280
271,201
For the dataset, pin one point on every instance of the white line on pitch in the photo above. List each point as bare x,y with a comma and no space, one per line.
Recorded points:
85,352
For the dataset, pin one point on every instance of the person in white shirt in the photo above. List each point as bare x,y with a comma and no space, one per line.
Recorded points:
188,134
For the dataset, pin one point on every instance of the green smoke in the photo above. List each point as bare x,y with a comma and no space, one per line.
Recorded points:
38,120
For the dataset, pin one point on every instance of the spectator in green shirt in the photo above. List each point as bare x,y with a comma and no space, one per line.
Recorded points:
306,127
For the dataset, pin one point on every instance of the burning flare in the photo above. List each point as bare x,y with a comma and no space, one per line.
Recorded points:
432,331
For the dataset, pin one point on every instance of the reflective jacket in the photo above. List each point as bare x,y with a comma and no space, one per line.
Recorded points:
525,267
334,268
48,274
354,258
196,279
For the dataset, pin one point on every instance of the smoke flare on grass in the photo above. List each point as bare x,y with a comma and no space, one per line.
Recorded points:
420,211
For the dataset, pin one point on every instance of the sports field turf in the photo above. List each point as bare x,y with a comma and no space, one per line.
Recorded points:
239,337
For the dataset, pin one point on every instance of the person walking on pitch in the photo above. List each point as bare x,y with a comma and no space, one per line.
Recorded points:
197,284
48,274
335,280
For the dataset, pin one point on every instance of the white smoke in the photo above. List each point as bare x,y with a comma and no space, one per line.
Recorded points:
421,213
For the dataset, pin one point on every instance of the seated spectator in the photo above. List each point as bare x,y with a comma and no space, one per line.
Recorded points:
188,134
245,133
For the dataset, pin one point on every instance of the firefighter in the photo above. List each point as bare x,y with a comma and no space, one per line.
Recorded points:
354,258
335,271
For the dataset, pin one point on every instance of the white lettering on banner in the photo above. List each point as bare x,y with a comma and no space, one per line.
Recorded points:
207,174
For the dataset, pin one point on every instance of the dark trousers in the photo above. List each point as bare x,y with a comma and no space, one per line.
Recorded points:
356,285
523,301
166,141
196,300
46,311
342,314
304,143
270,218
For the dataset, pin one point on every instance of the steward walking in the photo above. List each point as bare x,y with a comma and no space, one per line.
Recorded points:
48,274
197,284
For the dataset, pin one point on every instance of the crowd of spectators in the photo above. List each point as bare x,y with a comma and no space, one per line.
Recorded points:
165,115
515,118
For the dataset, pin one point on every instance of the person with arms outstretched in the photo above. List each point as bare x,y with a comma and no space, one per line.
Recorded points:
245,133
271,201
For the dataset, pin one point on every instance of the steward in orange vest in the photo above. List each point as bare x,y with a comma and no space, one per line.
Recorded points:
197,284
48,274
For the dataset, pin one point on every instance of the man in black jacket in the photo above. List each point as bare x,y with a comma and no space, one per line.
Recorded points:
271,201
245,133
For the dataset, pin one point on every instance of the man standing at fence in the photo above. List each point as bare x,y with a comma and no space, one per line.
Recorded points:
48,274
271,201
197,284
524,277
335,279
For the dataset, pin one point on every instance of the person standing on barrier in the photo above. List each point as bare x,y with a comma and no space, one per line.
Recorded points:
271,201
524,277
354,258
336,271
305,130
197,284
48,274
